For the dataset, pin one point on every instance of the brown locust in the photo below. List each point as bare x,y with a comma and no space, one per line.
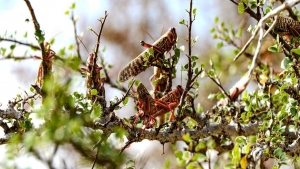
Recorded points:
150,108
50,54
143,61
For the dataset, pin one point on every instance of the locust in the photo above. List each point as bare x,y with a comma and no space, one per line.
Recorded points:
287,26
95,81
143,61
150,108
50,54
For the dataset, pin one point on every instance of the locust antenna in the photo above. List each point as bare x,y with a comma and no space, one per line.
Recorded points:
55,36
162,30
148,33
181,76
172,21
82,44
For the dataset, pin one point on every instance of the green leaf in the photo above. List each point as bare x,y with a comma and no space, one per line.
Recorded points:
285,63
219,45
296,51
125,101
216,19
241,8
151,51
67,12
181,22
27,20
178,154
94,92
73,6
252,139
221,96
187,138
12,47
278,152
195,39
273,49
268,9
40,36
241,139
194,11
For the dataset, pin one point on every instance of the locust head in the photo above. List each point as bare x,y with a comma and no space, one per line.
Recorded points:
179,89
172,36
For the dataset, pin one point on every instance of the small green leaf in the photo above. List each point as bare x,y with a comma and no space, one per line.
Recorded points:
252,139
194,11
151,51
27,20
221,96
277,152
67,12
125,101
216,19
70,47
285,63
187,138
181,22
273,49
195,39
178,154
12,47
241,8
241,139
219,45
268,9
296,51
89,28
73,6
94,92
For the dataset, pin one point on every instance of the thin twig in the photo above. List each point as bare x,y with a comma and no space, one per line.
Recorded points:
17,57
21,43
100,32
75,33
112,107
190,70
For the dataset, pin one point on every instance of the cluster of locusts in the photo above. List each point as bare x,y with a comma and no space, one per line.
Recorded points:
148,107
163,100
